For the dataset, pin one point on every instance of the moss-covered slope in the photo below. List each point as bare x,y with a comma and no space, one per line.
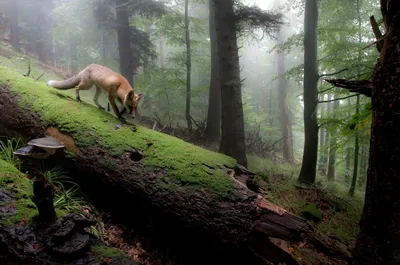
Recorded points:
186,164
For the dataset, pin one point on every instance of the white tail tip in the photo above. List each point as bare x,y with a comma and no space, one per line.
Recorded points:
51,82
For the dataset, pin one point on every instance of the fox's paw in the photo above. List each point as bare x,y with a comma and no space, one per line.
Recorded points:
122,120
78,99
101,107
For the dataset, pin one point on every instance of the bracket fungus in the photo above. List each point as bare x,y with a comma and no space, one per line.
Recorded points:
40,148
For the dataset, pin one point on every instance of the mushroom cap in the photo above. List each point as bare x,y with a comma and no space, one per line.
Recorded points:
46,142
32,151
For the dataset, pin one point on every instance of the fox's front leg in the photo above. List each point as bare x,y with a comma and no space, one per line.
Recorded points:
115,108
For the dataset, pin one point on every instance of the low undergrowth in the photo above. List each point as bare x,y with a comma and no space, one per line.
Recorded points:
341,213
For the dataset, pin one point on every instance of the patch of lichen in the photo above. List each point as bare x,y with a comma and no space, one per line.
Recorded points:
103,252
13,180
185,164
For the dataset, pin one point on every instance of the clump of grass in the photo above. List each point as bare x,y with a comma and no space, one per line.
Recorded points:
68,198
7,149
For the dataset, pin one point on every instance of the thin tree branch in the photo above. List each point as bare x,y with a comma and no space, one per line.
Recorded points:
331,74
336,99
322,91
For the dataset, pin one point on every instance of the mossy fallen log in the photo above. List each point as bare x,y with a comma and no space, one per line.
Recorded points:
187,197
25,238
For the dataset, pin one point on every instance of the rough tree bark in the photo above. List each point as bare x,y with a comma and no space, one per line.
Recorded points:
213,128
309,164
378,240
124,40
188,67
286,126
13,21
232,121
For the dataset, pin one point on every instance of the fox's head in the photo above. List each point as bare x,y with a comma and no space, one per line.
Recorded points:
131,102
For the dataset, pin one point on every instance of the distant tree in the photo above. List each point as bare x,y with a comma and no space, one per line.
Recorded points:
309,164
286,125
332,146
188,67
13,15
233,138
213,127
124,40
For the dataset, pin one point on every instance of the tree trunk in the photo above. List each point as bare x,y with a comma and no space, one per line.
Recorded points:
73,54
348,154
321,164
232,122
188,68
13,21
218,218
332,147
378,241
124,40
213,129
286,126
363,162
356,153
309,164
327,135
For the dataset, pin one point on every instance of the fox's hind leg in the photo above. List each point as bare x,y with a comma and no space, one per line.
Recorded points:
85,84
96,98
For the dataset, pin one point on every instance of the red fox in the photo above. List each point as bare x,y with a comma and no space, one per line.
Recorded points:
103,78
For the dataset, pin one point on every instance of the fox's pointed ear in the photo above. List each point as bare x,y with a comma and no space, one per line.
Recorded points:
131,95
139,96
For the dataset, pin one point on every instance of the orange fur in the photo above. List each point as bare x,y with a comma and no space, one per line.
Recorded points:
101,77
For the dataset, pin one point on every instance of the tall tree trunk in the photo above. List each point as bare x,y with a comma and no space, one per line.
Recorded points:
188,67
356,142
356,151
213,129
363,163
348,155
162,54
378,240
232,121
124,40
321,164
309,164
13,21
73,54
332,147
286,126
327,135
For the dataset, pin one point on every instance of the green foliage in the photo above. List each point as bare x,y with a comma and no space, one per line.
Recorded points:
7,151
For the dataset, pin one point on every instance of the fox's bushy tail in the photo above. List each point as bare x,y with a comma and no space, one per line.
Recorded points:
65,84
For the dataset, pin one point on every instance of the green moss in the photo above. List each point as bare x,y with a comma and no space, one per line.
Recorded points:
311,211
103,252
185,163
15,181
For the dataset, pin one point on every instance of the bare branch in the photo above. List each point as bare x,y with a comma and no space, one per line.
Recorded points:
331,74
363,87
40,76
336,99
325,90
378,35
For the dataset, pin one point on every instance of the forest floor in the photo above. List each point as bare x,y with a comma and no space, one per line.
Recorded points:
337,213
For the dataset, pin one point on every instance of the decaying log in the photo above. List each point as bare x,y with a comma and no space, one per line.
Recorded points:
191,219
62,241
